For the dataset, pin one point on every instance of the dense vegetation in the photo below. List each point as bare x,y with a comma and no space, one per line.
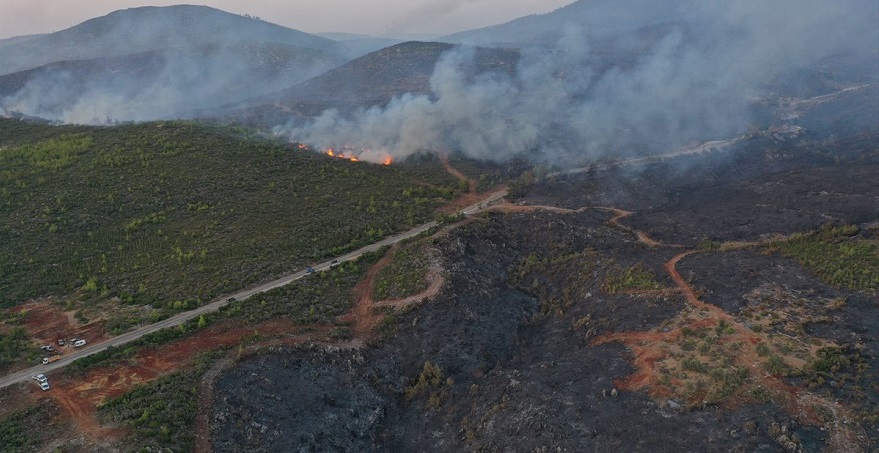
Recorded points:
161,414
404,276
559,281
488,174
13,344
836,257
16,434
174,214
634,278
316,299
319,298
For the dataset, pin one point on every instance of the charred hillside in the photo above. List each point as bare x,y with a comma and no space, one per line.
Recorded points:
561,329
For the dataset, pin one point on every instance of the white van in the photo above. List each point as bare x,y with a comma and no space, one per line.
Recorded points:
78,343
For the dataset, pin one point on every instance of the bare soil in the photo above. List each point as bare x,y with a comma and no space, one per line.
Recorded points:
46,322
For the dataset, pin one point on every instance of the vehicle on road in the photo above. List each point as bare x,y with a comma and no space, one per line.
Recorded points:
334,261
44,386
78,343
230,300
40,378
310,270
48,360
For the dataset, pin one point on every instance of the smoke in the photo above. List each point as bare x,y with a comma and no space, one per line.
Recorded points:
156,63
591,95
160,85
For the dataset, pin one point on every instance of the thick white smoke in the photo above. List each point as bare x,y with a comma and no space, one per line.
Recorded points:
691,79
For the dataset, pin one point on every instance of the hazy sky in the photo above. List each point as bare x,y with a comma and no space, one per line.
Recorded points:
377,17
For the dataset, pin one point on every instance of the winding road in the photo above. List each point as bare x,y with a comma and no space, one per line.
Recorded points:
180,318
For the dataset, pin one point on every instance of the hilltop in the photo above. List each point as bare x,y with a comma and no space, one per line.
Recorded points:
151,28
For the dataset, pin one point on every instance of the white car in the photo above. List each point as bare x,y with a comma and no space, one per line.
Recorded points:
44,386
78,343
41,378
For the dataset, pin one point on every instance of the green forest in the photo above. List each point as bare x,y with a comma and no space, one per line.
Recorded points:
174,214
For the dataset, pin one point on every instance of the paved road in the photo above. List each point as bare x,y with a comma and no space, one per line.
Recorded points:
716,145
180,318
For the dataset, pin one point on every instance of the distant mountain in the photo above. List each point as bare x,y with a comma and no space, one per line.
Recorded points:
622,34
599,19
17,39
359,45
392,71
149,28
149,63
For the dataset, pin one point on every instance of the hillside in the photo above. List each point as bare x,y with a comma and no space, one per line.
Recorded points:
607,19
156,63
699,297
171,215
371,80
600,19
158,84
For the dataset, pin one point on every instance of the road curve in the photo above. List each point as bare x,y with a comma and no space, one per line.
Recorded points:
180,318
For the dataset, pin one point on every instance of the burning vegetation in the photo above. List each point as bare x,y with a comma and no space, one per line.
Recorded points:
354,155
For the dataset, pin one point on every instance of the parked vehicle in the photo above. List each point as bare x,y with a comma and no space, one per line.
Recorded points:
48,360
48,348
44,386
60,342
78,343
40,378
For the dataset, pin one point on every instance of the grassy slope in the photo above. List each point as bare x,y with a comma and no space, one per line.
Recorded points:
171,212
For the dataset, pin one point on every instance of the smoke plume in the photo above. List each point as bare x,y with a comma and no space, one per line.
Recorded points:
682,72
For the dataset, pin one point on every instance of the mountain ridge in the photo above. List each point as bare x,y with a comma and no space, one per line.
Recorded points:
148,28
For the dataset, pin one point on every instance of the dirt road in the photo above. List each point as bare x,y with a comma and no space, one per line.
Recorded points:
180,318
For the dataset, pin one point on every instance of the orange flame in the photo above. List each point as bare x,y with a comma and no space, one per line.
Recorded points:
349,153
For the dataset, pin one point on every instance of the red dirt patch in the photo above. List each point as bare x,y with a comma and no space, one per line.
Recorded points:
46,322
80,396
649,351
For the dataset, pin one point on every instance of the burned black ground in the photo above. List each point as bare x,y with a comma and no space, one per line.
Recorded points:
501,359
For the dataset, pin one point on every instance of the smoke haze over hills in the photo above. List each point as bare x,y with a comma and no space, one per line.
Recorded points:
596,78
686,71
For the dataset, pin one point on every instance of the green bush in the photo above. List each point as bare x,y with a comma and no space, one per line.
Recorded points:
161,414
835,257
404,276
635,278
